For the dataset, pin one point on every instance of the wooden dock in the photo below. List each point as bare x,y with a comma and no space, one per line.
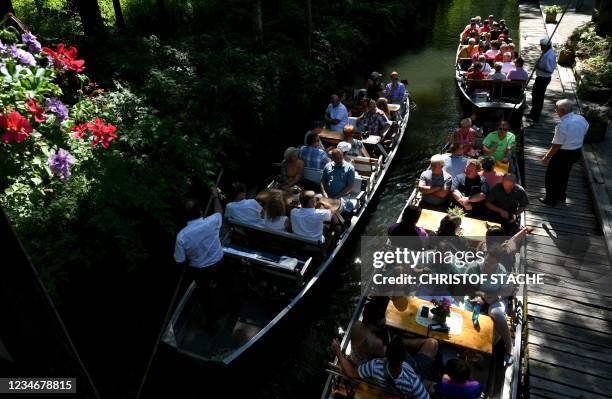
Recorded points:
569,328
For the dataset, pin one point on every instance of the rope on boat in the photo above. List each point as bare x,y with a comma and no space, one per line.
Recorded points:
171,306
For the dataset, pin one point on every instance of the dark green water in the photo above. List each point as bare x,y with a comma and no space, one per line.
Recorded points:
429,68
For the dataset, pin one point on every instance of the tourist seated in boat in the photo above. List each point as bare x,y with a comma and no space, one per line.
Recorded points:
503,49
472,21
518,73
465,35
291,168
492,297
407,227
488,172
316,127
392,372
485,27
357,147
492,53
198,244
312,154
275,211
336,114
242,209
361,104
375,87
502,25
456,382
454,163
476,73
470,189
504,36
495,32
308,220
435,183
478,19
485,42
375,122
500,143
395,91
486,68
497,73
491,19
345,147
337,180
507,201
497,238
365,343
464,135
512,51
469,50
450,228
507,64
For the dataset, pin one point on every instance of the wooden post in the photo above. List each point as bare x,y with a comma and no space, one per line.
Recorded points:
119,15
91,18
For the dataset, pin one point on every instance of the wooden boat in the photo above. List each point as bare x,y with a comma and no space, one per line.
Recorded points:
494,99
280,270
498,381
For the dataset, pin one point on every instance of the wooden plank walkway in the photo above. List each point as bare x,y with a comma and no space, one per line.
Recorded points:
569,325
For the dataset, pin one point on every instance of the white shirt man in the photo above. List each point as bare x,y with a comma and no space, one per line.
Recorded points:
547,64
199,242
245,211
570,131
308,222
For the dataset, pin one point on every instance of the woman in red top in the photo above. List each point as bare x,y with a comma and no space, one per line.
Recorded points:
464,135
476,74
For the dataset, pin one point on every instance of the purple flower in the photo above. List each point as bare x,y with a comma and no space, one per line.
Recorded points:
30,40
22,56
60,162
2,47
58,108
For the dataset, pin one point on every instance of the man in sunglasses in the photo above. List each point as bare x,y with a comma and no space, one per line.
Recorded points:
500,143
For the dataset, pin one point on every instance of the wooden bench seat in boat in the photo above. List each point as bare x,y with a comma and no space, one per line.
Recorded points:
269,238
498,90
358,388
366,166
294,267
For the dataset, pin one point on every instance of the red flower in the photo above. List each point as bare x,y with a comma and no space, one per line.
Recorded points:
79,130
17,127
103,134
65,58
34,109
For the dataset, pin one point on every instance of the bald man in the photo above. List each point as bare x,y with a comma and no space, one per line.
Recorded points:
395,91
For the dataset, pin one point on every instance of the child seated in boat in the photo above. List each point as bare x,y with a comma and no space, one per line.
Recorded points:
456,383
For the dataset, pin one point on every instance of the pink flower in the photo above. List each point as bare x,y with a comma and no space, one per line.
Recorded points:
79,131
17,128
103,134
34,109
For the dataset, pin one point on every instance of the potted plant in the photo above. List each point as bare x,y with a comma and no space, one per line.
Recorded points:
566,55
551,13
441,310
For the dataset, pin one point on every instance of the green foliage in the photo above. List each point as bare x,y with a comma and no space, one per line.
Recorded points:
554,9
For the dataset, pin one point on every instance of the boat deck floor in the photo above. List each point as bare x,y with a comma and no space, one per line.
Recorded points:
569,339
233,329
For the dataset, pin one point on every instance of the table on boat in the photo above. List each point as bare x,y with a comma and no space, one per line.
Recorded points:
430,221
402,314
335,137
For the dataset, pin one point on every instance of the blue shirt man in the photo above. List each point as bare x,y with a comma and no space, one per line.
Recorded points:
338,177
336,114
395,91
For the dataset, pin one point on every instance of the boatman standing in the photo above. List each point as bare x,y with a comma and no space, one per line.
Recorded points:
544,70
198,244
564,152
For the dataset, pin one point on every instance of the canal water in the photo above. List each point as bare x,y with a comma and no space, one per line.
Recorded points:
429,69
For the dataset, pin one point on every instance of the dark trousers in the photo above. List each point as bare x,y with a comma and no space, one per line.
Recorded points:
537,95
208,281
557,173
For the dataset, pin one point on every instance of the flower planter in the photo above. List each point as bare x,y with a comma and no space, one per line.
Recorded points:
551,18
566,57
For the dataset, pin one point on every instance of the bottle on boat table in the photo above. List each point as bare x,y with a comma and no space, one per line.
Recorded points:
475,312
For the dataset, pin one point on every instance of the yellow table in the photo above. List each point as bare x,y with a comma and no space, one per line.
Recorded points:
430,221
402,314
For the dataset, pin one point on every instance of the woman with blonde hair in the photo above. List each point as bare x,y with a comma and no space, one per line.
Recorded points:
291,168
464,135
275,212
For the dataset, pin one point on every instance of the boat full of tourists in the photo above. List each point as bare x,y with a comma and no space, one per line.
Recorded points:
278,269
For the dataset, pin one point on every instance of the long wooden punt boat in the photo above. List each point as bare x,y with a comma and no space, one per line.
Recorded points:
489,97
280,270
497,381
